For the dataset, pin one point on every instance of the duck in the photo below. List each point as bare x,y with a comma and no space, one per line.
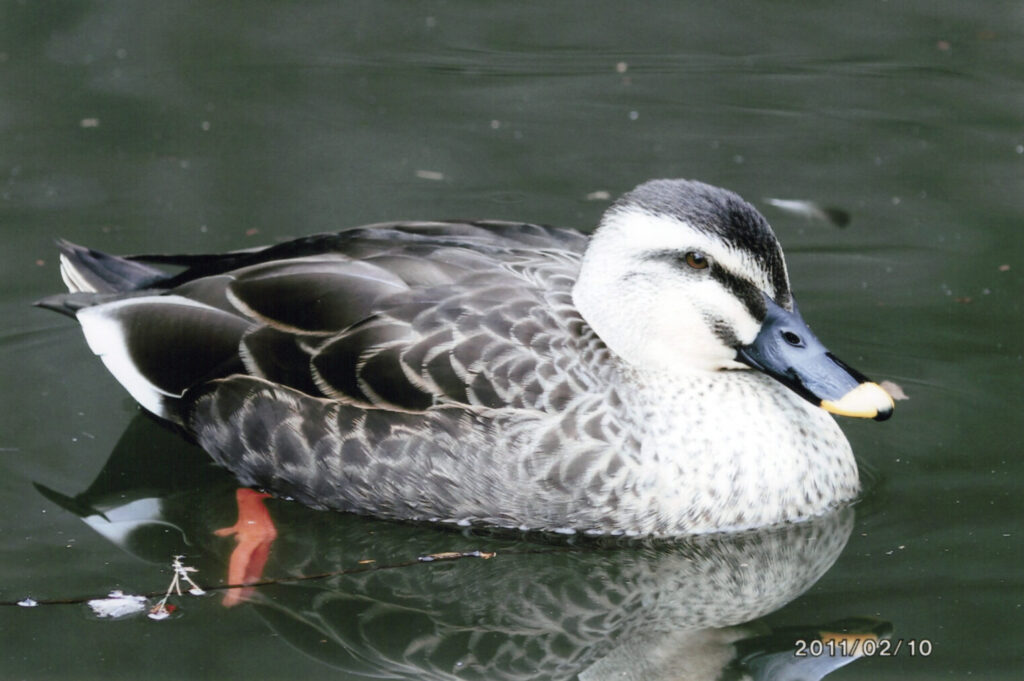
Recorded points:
653,379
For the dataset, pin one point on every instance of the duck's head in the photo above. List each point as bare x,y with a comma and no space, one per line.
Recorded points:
681,276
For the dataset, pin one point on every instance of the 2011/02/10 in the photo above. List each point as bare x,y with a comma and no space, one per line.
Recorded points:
868,647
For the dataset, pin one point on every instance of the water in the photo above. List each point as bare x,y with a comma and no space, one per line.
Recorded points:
205,127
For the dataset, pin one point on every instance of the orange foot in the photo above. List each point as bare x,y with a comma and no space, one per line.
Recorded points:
254,533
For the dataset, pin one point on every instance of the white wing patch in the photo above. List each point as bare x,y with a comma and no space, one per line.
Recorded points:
107,336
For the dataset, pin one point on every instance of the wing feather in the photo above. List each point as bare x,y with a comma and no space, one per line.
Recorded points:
399,316
318,296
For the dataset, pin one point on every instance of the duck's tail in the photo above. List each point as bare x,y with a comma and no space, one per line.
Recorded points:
155,343
87,271
94,277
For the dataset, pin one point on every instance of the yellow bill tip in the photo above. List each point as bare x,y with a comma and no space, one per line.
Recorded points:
866,401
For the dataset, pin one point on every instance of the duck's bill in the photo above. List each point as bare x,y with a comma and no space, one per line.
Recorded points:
789,352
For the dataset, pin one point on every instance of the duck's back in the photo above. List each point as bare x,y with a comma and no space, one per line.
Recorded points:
394,316
370,370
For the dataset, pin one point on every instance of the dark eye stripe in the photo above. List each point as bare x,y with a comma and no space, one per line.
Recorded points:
722,330
743,289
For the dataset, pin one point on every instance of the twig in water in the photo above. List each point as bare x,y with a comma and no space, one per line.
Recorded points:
161,611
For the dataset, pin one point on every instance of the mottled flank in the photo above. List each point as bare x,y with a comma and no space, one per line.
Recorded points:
443,370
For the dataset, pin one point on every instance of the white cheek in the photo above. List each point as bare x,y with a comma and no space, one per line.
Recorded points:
682,335
657,323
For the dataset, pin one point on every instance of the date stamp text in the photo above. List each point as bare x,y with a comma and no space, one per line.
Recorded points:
868,647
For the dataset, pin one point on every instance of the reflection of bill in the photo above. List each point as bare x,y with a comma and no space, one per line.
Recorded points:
752,652
847,644
803,652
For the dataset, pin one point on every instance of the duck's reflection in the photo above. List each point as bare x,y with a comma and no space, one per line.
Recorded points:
590,610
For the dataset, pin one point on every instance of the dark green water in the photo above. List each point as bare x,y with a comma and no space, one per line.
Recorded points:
182,126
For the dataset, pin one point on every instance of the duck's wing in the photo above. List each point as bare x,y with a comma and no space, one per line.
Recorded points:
399,316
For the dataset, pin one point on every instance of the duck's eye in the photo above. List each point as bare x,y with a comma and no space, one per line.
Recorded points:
696,260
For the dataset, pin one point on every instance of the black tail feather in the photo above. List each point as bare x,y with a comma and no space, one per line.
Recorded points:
69,303
103,273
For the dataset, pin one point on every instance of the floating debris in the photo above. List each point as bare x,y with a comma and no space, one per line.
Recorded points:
181,572
444,555
430,175
28,603
812,211
89,123
1004,268
162,610
117,604
452,555
894,390
599,195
